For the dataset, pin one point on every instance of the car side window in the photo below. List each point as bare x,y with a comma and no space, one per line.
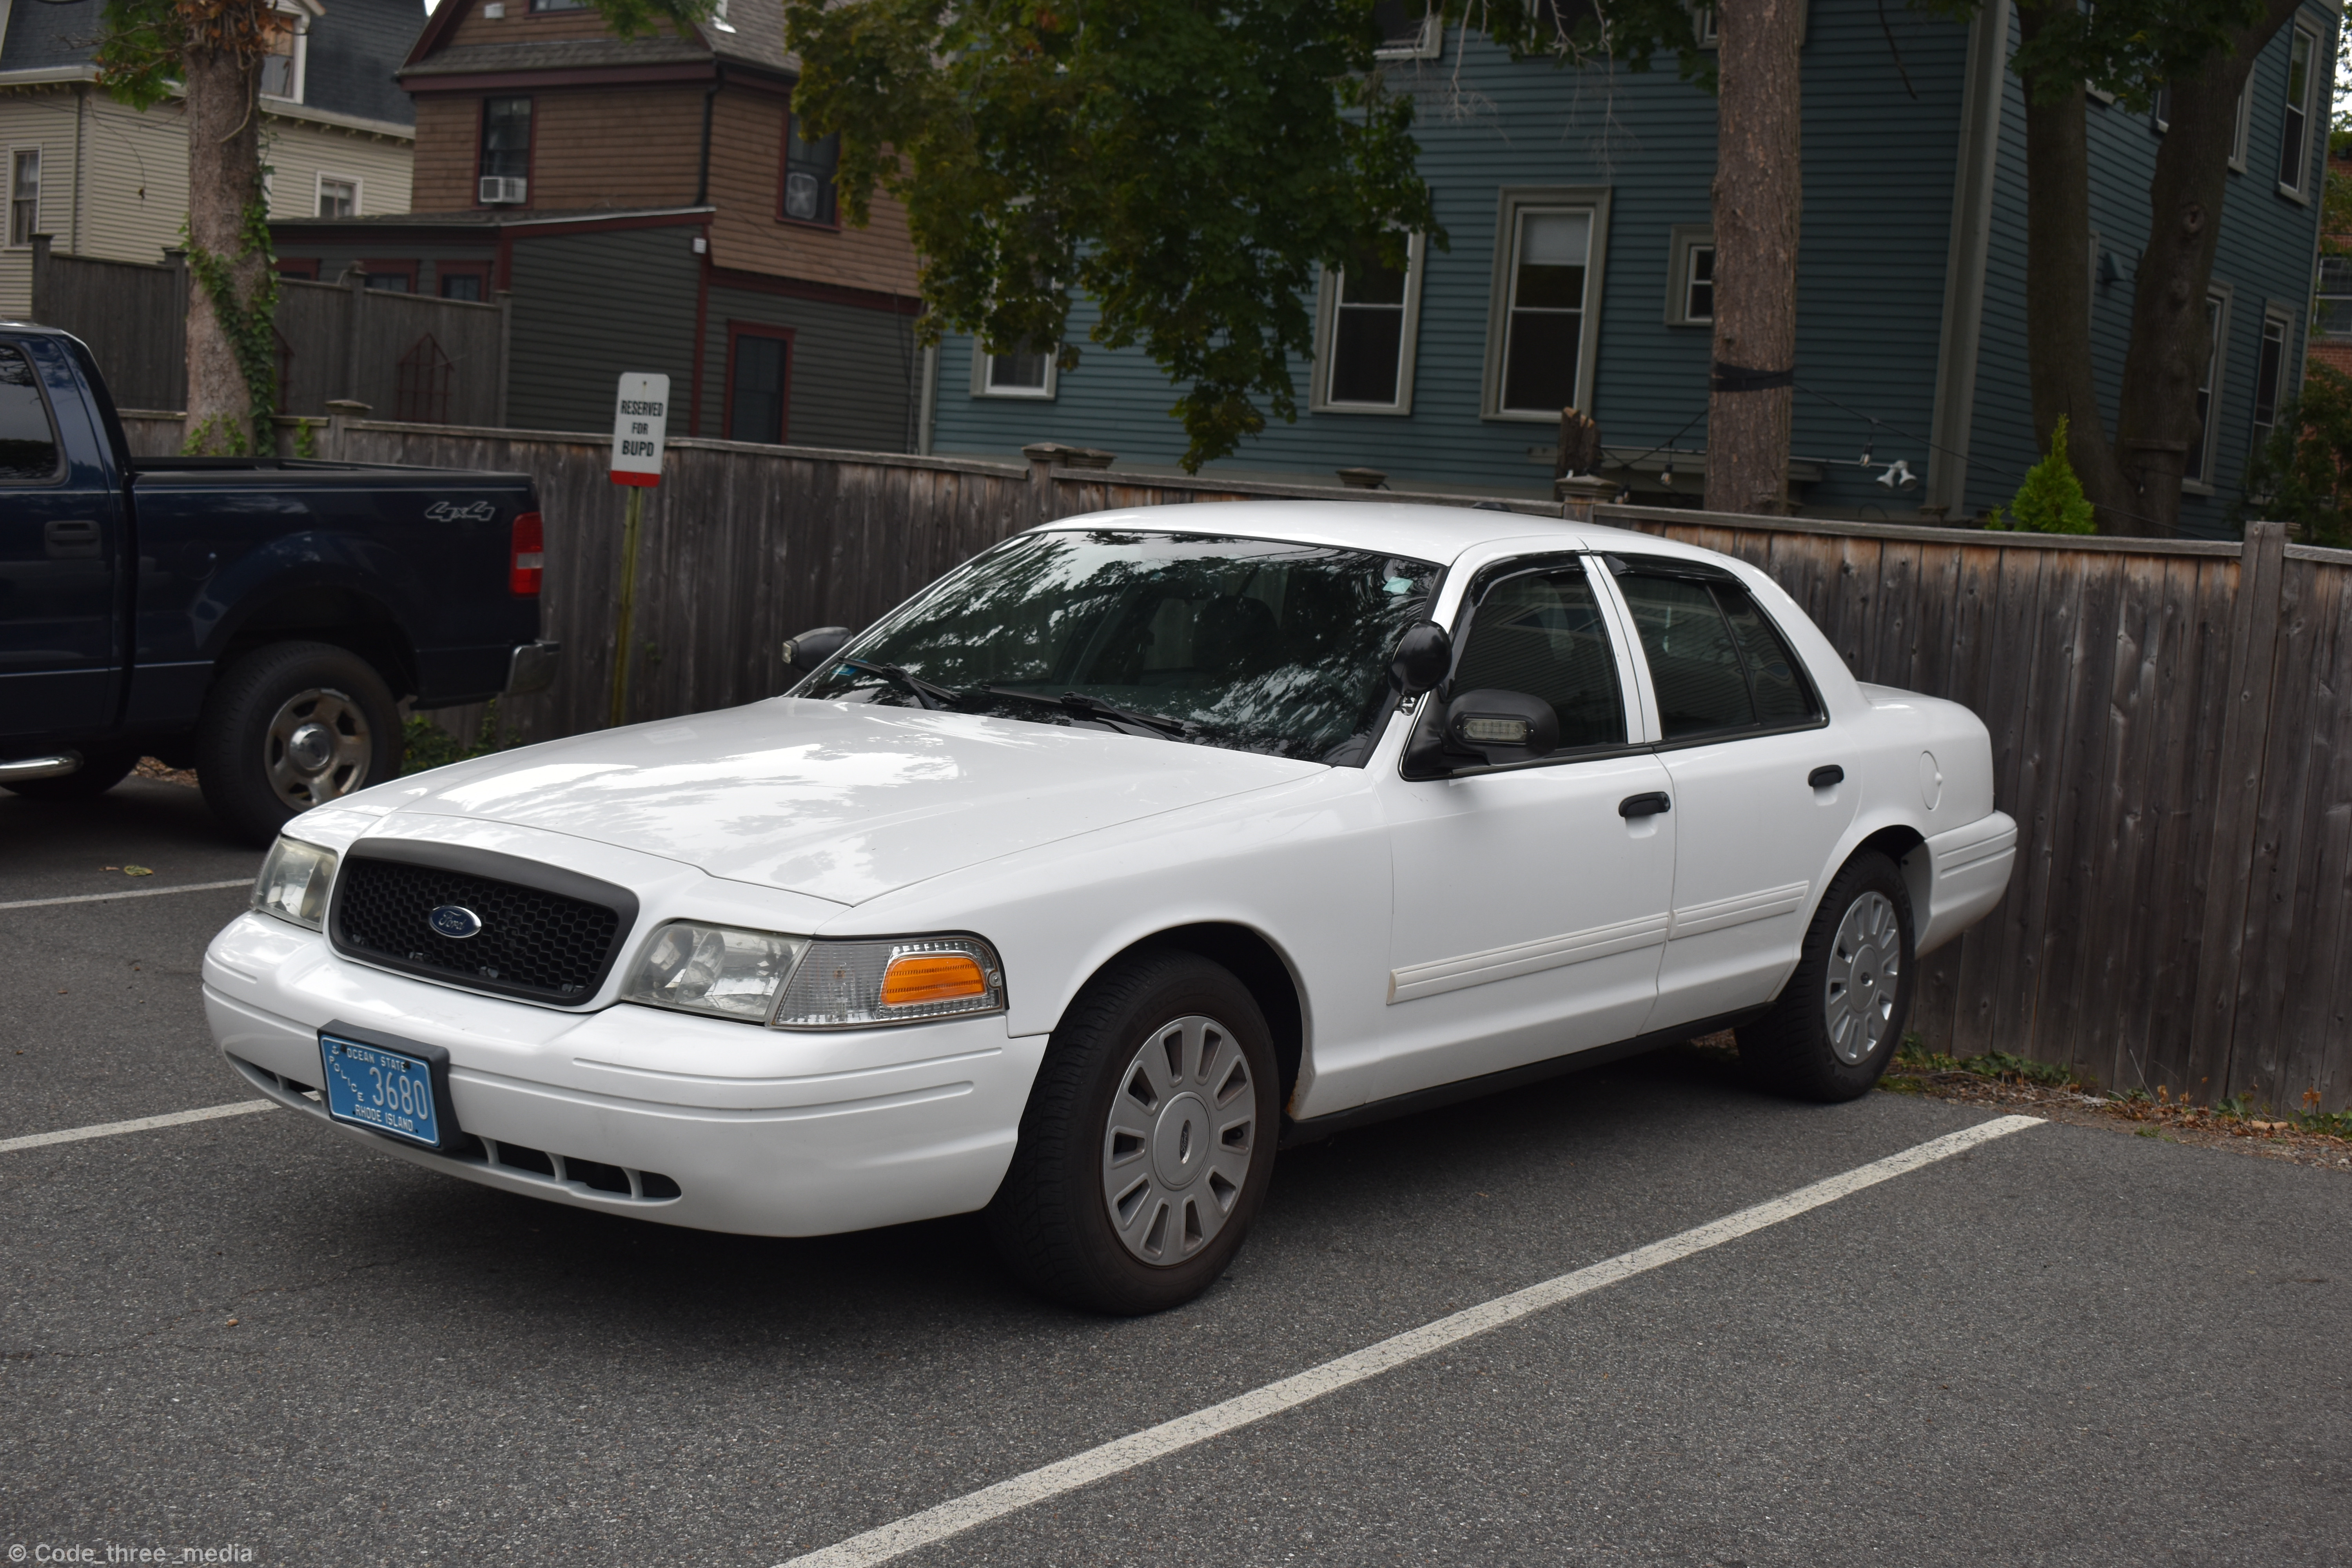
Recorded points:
28,442
1719,665
1541,633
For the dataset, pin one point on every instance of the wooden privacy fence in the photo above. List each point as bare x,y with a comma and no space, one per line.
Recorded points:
2168,719
419,358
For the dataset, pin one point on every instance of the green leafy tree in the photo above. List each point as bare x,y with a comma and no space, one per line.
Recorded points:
2050,500
2303,473
208,54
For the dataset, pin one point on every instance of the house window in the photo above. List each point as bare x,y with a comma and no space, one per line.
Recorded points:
460,283
391,282
758,379
24,194
2270,375
338,197
2294,139
2333,307
1539,356
1410,30
1690,275
505,138
808,174
1365,336
2160,112
281,68
2241,122
2199,463
1703,26
1028,373
539,6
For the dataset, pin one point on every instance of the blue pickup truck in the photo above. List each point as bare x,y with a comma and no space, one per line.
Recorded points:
255,618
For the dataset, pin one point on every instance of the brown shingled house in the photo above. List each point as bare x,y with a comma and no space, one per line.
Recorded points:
650,205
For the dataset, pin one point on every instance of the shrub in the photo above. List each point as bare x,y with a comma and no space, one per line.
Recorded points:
2302,474
2050,500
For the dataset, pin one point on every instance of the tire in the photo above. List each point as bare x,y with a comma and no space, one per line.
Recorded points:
291,726
1841,1017
98,772
1104,1207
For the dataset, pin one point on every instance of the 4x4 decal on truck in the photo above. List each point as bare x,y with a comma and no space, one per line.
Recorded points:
452,511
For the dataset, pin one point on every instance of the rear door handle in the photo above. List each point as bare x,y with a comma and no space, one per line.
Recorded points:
1821,778
1650,804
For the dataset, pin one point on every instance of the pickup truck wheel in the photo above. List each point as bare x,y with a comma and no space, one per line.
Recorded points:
98,773
291,726
1840,1017
1148,1142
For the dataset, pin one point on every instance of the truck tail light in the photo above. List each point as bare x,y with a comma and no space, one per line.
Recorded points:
530,557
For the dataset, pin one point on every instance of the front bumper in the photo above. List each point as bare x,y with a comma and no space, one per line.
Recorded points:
763,1132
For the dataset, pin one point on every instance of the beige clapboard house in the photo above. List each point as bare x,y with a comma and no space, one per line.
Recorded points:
105,180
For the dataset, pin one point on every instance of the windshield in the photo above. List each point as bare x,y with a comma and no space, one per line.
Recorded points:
1248,643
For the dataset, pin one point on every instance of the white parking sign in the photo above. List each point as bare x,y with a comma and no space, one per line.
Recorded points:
640,423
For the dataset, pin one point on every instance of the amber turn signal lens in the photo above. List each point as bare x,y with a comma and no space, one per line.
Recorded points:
932,977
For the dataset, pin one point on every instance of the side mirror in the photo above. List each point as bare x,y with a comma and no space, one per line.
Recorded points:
1501,726
808,651
1425,655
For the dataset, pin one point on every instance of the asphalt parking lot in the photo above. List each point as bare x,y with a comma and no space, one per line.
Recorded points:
2063,1345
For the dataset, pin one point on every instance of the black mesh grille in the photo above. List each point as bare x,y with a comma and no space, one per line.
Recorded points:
531,943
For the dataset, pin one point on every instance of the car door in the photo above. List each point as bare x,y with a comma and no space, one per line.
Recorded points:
57,654
1743,736
1531,899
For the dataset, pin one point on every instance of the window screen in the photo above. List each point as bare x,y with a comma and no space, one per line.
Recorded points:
28,442
1541,633
1718,664
809,169
505,137
1367,332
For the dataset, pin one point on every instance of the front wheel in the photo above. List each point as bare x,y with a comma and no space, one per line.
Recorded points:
1840,1017
1148,1142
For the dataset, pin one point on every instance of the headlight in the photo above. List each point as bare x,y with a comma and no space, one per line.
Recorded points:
718,970
294,881
901,980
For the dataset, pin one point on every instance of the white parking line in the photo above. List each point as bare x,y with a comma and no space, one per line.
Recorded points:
960,1514
145,1123
130,893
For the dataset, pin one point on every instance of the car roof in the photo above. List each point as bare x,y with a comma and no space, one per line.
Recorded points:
1443,534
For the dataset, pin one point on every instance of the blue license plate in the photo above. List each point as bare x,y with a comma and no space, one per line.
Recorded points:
383,1091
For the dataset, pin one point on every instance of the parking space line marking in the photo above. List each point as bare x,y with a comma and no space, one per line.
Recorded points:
145,1123
130,893
960,1514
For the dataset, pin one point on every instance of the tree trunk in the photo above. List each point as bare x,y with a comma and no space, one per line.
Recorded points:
2158,426
223,184
1759,202
2058,282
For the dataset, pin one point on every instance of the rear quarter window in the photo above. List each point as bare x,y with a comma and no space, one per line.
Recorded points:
28,440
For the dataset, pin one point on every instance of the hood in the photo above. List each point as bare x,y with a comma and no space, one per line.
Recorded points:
843,800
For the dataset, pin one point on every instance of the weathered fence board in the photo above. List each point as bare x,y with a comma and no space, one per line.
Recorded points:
2170,723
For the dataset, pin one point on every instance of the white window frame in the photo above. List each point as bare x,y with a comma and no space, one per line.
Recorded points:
2242,132
980,361
2278,318
9,213
1511,203
2303,34
319,189
2217,381
2318,316
1326,321
1432,39
1681,240
1702,23
302,15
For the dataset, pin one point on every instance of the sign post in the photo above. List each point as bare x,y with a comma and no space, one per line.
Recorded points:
640,426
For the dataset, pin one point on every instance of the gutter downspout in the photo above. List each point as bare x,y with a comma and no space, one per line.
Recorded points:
1975,170
702,171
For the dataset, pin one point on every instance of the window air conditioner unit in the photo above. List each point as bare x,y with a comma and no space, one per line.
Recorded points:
499,189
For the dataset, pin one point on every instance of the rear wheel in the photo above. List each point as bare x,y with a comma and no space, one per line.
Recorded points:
1840,1017
1148,1142
291,726
99,772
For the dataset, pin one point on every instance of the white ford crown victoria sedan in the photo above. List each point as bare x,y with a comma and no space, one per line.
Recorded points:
1140,844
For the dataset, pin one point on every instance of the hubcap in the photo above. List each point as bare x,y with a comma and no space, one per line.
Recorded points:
1177,1150
1866,970
316,748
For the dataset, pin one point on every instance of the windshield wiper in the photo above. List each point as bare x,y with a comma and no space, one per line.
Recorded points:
924,692
1080,705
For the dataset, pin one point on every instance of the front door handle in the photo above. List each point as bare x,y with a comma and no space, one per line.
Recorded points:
1650,804
1821,778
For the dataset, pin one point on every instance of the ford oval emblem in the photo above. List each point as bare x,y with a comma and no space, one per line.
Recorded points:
456,921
